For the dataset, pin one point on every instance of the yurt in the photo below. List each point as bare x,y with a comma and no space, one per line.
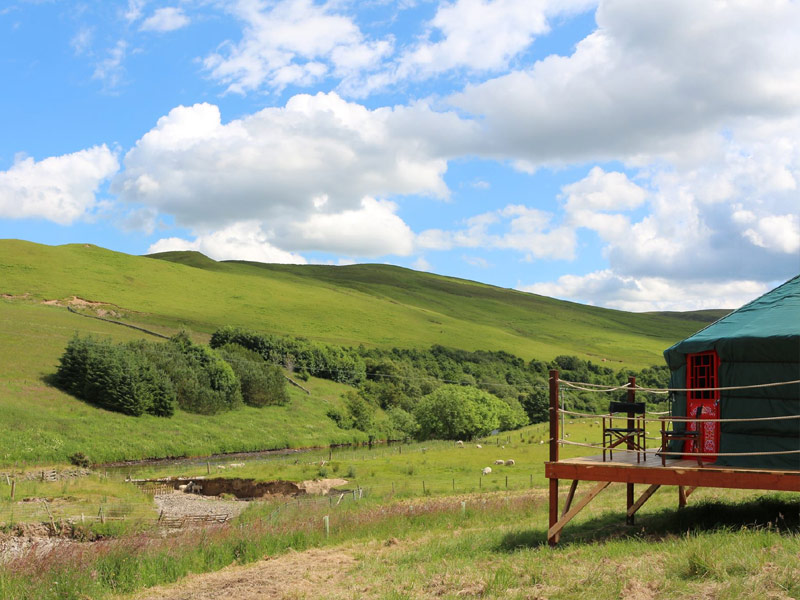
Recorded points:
750,350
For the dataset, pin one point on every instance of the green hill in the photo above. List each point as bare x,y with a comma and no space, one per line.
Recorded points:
361,304
374,305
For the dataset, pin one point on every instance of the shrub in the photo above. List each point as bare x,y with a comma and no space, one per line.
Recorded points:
79,459
115,377
262,383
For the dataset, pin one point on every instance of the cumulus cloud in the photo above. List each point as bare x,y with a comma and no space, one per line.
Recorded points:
606,288
59,188
292,42
165,19
369,231
279,162
240,241
649,82
515,227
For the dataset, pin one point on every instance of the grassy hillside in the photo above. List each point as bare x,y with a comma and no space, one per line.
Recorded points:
361,304
364,304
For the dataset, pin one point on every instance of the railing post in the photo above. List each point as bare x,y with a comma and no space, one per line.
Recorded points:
631,425
553,540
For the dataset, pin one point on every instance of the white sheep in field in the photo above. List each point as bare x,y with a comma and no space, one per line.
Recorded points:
510,462
460,443
499,462
478,446
486,470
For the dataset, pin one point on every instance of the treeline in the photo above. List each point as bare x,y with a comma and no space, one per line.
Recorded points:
402,382
154,377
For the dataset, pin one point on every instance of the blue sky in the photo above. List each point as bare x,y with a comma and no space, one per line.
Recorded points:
642,156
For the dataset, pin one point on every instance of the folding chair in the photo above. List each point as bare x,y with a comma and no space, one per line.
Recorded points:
633,435
670,435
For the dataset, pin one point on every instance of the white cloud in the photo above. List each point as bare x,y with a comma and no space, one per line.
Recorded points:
422,265
372,230
524,229
134,11
608,289
81,41
292,42
59,188
165,19
476,261
480,35
279,162
110,70
654,80
240,241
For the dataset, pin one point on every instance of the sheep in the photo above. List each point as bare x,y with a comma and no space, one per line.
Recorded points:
499,462
510,462
182,488
478,446
541,441
460,443
236,465
486,470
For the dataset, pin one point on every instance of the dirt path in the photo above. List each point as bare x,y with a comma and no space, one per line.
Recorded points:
315,573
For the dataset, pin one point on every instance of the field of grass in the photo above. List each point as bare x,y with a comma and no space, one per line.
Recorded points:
724,546
370,304
42,425
376,305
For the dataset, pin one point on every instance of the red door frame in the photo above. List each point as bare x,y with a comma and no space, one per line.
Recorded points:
702,371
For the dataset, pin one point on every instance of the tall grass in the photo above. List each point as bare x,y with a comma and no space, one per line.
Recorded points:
496,547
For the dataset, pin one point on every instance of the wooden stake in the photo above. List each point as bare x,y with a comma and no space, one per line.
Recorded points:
13,488
326,521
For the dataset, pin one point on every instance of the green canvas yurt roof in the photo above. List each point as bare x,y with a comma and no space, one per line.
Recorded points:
768,329
756,344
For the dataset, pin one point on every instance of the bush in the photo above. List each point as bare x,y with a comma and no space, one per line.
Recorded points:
115,377
262,383
79,459
458,412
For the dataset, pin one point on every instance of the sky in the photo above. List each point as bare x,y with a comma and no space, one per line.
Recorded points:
634,155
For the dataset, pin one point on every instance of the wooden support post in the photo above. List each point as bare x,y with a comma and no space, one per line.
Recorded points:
559,525
552,538
642,499
630,492
688,491
570,497
681,496
13,487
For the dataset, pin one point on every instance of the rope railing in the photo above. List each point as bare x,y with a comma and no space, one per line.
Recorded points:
680,419
586,387
564,442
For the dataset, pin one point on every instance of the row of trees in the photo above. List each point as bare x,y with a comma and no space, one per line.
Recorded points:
152,377
418,388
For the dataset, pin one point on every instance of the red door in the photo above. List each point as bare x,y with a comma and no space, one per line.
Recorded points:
702,372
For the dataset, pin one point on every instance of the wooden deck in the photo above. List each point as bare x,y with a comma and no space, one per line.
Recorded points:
625,469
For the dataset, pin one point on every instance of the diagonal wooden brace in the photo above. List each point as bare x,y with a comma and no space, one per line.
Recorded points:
570,496
566,518
643,498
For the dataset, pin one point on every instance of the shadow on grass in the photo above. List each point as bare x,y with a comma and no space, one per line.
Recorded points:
780,513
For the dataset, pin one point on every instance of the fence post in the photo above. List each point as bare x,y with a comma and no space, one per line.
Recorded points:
629,487
454,485
423,486
552,541
326,521
506,481
13,487
463,507
208,468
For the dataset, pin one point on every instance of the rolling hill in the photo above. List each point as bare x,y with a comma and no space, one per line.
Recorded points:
374,305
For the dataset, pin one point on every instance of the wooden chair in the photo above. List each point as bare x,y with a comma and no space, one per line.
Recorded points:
670,435
633,434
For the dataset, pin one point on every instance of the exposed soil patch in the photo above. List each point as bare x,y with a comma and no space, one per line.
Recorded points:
37,539
316,573
250,488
